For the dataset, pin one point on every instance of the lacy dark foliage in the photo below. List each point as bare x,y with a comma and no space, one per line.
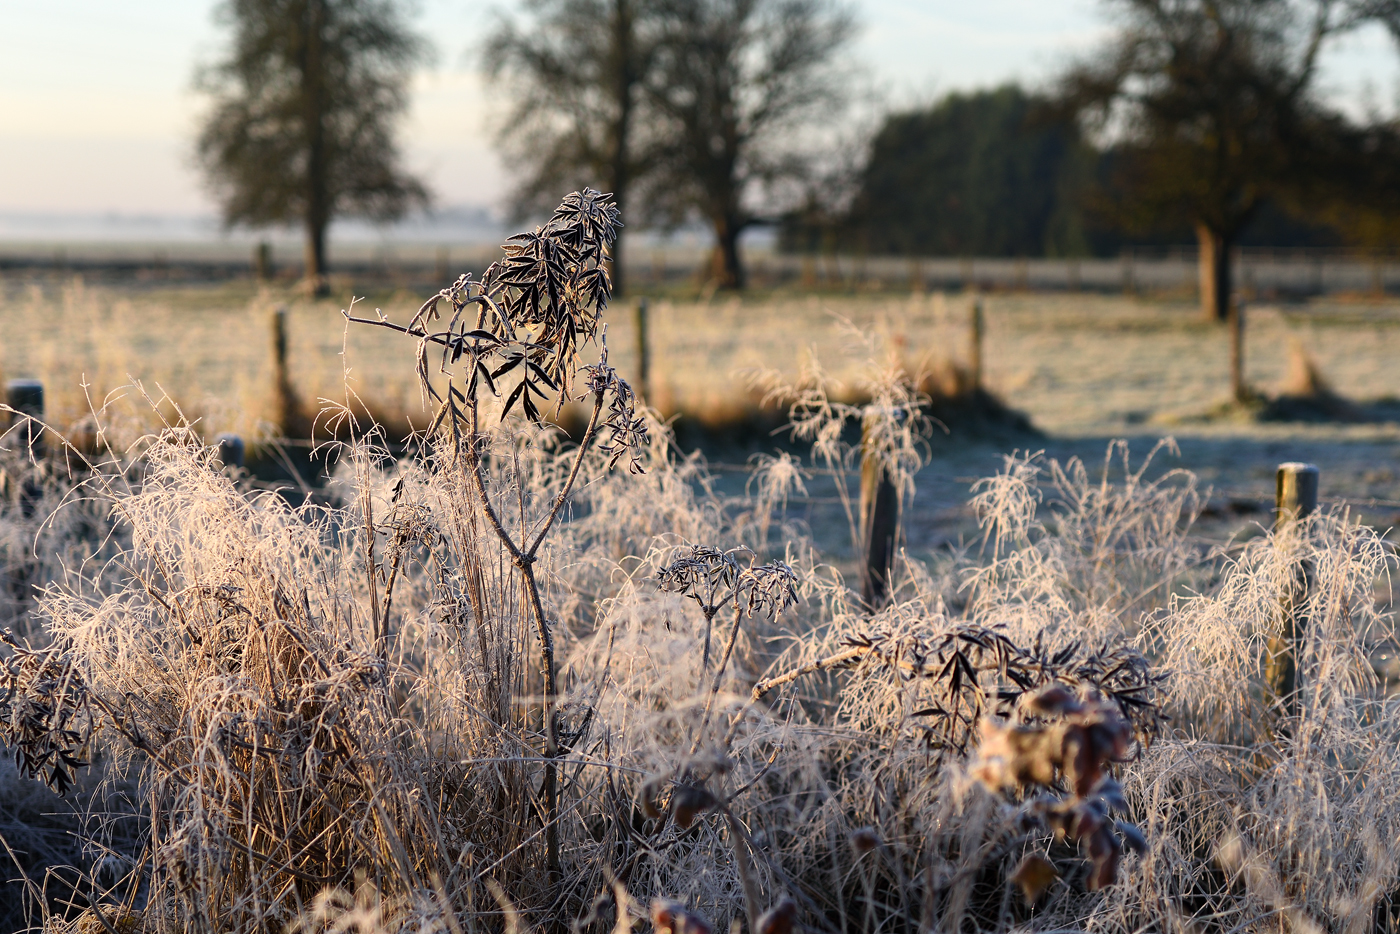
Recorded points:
627,432
712,578
973,671
45,712
704,573
527,318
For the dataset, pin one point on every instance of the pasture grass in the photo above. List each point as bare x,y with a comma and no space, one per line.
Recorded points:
386,710
1077,364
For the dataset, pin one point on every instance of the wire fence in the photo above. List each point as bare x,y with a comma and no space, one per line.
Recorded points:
1260,271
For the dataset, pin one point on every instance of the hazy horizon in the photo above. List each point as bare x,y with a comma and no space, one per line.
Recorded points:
101,113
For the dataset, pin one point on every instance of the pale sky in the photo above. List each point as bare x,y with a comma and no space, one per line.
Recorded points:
97,112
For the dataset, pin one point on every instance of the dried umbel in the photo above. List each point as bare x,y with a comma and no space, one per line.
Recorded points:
714,578
703,573
625,431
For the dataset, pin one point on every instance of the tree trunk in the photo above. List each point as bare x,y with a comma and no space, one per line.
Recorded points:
1238,388
315,257
317,184
625,81
1215,273
726,268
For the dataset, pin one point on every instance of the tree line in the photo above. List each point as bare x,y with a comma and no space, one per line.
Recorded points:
1198,119
1195,118
681,109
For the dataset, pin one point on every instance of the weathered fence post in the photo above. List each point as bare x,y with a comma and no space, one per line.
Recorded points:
643,351
442,268
879,512
262,261
231,449
26,397
279,342
1295,498
976,325
284,402
1238,387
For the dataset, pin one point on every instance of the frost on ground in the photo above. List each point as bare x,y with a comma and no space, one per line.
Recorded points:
510,682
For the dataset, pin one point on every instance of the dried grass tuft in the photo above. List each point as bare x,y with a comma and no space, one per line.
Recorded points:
514,681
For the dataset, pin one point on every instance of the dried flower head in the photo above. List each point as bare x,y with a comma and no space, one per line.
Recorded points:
669,917
625,432
704,573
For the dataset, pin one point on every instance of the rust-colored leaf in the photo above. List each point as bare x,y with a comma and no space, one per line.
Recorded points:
779,919
1034,875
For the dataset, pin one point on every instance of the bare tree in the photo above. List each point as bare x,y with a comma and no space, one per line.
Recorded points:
738,82
304,107
1213,105
574,69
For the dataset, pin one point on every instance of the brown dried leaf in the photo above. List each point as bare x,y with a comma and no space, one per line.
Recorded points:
865,839
669,917
1034,875
688,802
1055,699
779,919
651,794
1011,756
1104,853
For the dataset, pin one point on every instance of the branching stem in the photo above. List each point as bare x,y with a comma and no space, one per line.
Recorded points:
573,475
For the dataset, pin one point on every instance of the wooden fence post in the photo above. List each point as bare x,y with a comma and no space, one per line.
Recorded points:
231,449
442,266
643,351
26,397
1238,388
262,261
285,408
1295,498
879,514
976,326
